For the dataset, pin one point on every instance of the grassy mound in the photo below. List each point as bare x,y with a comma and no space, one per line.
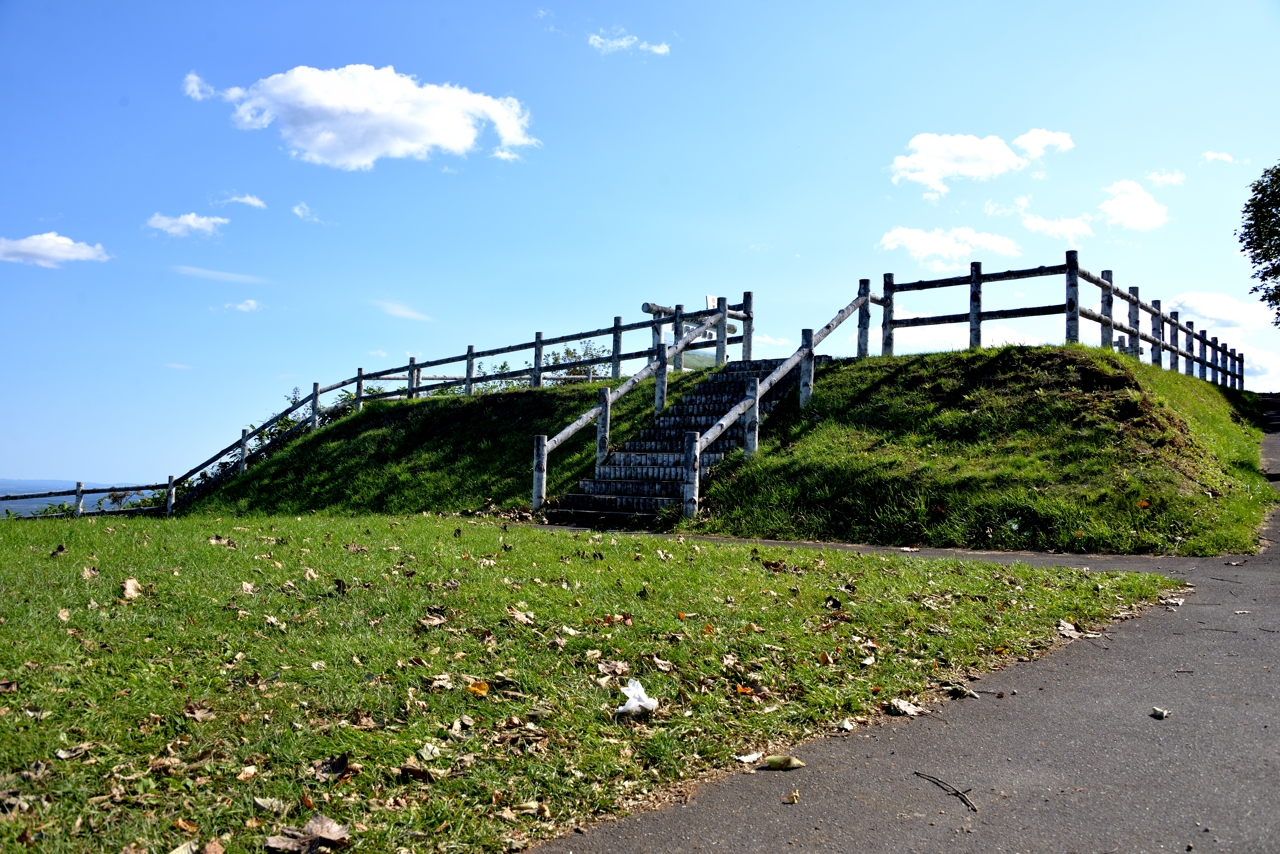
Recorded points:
1070,449
424,681
443,453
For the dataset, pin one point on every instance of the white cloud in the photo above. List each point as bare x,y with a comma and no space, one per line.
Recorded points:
1035,141
181,226
1210,156
396,309
247,305
1133,207
195,88
49,250
304,212
350,117
218,275
246,199
1160,179
177,367
939,157
381,354
1218,313
940,250
622,41
769,339
542,13
1070,229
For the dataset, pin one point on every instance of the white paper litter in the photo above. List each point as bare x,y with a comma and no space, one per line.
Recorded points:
637,700
750,758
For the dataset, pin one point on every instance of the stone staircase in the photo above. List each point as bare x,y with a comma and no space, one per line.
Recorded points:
645,476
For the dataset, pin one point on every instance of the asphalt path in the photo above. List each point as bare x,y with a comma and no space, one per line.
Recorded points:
1069,760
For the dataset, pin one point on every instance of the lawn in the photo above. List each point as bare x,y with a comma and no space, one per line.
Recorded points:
448,683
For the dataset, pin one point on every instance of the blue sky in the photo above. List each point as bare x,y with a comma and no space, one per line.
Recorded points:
248,197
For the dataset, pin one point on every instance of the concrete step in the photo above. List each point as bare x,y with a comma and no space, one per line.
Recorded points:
671,440
615,503
652,488
624,459
683,409
691,422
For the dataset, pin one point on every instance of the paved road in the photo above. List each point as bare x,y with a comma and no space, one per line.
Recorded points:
1072,763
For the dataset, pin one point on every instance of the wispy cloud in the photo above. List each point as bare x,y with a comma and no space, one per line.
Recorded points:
218,275
1070,229
350,117
381,354
1161,179
246,306
941,251
618,40
396,309
1217,313
769,339
181,226
49,250
246,199
1133,207
1037,140
304,212
1210,156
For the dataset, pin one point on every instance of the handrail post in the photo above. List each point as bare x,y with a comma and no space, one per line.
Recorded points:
722,331
1213,360
471,368
315,406
656,329
535,379
677,332
1173,340
886,320
359,389
1234,380
1189,364
412,382
660,386
1204,360
1135,342
616,364
975,305
748,325
751,427
692,460
1240,366
1073,297
864,316
806,367
244,451
79,498
539,471
1107,306
602,426
1157,332
169,495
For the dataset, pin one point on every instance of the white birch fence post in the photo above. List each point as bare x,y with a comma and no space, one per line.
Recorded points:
412,382
535,379
1073,297
886,319
1189,364
539,471
691,474
864,317
169,495
1213,360
471,368
1157,332
1232,363
244,451
657,336
751,420
975,305
315,406
602,426
79,497
1173,339
359,389
1107,306
660,384
722,331
748,325
1135,342
1204,360
616,364
1240,367
806,367
677,332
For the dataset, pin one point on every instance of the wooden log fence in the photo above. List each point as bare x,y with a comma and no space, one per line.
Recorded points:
309,412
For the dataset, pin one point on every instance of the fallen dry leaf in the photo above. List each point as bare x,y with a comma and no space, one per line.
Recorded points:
480,689
320,832
898,706
523,617
248,773
186,826
782,762
64,615
794,797
7,687
213,846
248,588
75,752
613,668
332,768
310,574
132,589
89,573
191,846
271,805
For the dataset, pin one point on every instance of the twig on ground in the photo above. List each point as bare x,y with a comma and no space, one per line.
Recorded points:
949,789
1228,580
1229,631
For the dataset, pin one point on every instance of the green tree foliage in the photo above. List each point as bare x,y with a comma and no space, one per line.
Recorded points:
1260,237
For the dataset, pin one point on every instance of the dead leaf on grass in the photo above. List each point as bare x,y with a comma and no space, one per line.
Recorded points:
89,573
310,574
247,773
132,589
613,668
332,768
525,618
73,752
271,805
186,826
8,687
213,846
898,706
320,832
480,689
64,615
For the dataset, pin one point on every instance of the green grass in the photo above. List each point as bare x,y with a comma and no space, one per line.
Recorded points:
180,689
444,453
1068,449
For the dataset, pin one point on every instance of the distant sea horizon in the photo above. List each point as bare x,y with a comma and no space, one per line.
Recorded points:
16,486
